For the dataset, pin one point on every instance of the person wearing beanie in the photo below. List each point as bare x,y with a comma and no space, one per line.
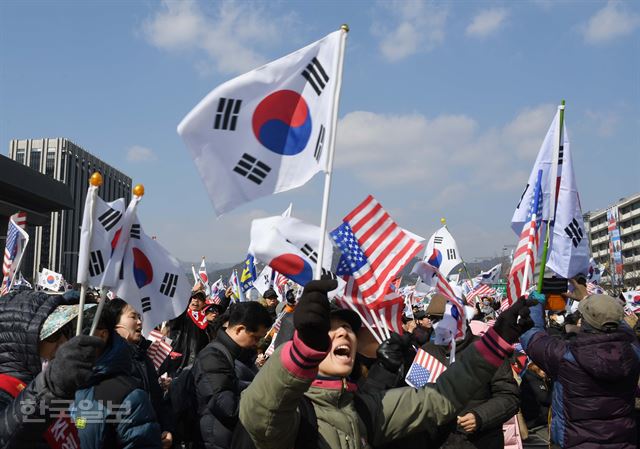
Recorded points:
595,375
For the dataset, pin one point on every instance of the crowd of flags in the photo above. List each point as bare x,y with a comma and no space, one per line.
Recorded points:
271,130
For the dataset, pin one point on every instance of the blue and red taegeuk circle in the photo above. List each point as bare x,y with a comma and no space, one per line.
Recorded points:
142,268
282,122
435,258
51,279
294,267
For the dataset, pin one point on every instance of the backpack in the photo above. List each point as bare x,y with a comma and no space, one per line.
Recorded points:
184,400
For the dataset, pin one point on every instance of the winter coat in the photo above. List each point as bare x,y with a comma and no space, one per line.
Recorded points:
188,340
114,411
595,377
535,399
22,315
269,407
493,403
145,371
217,391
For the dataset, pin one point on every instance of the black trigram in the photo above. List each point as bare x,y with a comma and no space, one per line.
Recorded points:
110,218
252,169
437,240
574,232
96,263
169,283
146,304
316,76
310,253
135,231
319,144
227,114
560,154
522,196
451,253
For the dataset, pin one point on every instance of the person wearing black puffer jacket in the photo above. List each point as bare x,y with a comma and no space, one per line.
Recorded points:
129,327
25,388
495,402
215,375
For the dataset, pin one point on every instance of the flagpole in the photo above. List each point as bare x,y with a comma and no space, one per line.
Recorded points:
552,203
332,143
94,182
19,261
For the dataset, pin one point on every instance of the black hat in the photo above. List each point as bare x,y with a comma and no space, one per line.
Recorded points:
419,314
199,294
270,293
347,315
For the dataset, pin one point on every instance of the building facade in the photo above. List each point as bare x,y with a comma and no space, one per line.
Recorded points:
55,245
629,226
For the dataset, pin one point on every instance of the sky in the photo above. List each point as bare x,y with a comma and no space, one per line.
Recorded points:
444,105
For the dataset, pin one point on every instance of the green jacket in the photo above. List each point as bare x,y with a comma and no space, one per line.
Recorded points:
269,406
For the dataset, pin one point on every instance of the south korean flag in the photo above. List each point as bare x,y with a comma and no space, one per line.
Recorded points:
267,131
151,280
101,225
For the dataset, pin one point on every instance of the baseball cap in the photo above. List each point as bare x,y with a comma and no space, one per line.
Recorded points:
602,312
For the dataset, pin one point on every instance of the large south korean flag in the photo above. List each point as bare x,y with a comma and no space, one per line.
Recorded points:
267,131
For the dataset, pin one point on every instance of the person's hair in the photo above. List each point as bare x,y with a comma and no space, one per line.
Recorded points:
250,314
572,318
580,279
116,306
108,320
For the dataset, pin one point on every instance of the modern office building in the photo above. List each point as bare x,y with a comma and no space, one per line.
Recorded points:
55,245
629,226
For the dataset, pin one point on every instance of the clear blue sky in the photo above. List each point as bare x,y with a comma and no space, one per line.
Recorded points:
444,105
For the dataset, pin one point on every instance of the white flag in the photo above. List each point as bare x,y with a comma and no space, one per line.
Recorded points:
491,276
543,162
289,246
569,246
50,280
442,251
129,228
152,282
98,236
202,273
266,131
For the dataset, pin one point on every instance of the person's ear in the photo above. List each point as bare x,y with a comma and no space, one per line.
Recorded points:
102,334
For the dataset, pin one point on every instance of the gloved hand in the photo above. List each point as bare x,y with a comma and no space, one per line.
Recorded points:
515,321
72,365
311,316
390,353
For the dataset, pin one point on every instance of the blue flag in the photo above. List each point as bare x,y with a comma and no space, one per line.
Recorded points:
248,276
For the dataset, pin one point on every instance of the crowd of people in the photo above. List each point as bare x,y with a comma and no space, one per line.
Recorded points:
305,373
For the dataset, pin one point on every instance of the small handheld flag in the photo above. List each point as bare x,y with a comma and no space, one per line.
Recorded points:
424,369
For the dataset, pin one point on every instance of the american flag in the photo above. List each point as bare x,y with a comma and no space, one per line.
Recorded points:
424,369
481,290
390,310
374,249
159,349
594,289
524,258
430,274
17,239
